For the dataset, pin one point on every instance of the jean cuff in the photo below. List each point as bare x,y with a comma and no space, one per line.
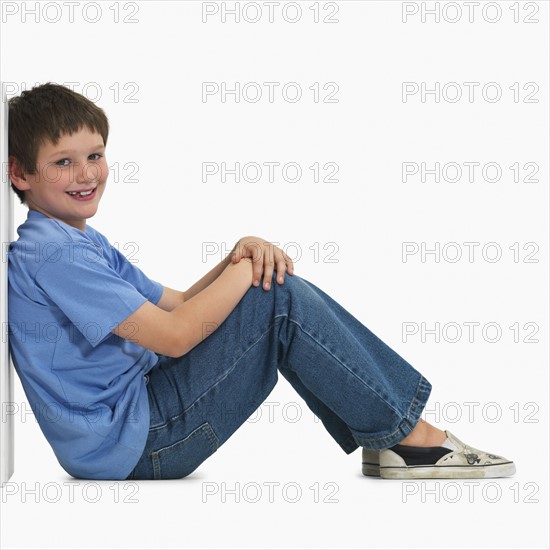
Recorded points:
407,424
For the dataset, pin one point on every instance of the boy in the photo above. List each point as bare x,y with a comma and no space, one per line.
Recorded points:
129,379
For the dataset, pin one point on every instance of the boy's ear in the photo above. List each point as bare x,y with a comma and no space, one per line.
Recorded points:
16,174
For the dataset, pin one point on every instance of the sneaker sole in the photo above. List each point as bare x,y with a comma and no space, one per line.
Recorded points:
371,469
447,472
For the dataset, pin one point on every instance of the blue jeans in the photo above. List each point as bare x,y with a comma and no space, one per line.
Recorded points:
363,392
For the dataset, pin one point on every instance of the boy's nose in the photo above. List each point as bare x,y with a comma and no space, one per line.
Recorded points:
87,172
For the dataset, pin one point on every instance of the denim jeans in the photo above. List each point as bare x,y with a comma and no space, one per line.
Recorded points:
363,392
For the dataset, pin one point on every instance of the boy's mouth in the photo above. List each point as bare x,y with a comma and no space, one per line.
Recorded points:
82,195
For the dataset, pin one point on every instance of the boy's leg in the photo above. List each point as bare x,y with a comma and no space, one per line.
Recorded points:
363,392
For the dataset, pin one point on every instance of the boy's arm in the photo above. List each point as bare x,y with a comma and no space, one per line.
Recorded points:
172,298
209,278
174,333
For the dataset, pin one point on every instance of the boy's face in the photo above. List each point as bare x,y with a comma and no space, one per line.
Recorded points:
76,163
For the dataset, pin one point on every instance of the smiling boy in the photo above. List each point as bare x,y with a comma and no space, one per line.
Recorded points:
57,190
130,379
70,290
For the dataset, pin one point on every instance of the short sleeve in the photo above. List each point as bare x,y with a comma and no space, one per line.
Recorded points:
88,290
152,290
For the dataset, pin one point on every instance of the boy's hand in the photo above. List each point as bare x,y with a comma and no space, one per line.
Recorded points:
264,257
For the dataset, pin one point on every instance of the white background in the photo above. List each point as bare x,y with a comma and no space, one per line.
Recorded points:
170,213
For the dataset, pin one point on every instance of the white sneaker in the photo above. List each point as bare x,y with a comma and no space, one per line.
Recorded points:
371,463
461,461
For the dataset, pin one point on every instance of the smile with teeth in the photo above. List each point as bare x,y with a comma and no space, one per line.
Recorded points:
81,193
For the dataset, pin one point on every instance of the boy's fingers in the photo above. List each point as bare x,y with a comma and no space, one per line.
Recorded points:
258,270
268,275
236,254
290,263
281,267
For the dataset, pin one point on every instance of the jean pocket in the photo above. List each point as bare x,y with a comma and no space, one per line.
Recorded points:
185,456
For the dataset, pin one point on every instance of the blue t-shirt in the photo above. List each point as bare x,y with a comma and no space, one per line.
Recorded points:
67,289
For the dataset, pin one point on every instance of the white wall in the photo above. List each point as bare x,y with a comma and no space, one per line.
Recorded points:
6,368
170,214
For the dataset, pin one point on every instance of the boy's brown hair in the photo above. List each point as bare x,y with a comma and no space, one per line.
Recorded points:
43,114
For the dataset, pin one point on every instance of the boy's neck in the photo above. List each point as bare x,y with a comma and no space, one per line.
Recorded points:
77,224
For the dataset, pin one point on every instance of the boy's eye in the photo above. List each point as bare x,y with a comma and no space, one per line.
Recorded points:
69,160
